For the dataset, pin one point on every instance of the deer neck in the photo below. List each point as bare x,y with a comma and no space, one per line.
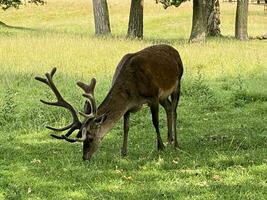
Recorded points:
114,106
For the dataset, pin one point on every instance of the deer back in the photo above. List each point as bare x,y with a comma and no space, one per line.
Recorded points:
152,72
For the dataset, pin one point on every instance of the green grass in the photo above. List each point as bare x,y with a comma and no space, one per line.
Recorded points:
222,114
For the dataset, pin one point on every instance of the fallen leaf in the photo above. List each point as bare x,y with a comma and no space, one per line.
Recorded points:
118,171
203,184
175,161
36,161
128,178
216,178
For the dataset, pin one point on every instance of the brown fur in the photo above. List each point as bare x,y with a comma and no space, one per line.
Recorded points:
148,76
141,76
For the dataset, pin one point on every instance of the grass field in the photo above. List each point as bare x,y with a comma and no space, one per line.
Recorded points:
222,113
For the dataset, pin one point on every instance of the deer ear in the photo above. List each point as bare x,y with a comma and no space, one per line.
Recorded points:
87,109
100,119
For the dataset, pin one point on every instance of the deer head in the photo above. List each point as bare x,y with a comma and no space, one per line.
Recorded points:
89,127
92,121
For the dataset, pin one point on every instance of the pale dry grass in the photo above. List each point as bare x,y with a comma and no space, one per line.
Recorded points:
62,36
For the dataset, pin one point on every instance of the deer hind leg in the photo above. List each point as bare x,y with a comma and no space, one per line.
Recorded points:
175,99
154,108
126,119
167,105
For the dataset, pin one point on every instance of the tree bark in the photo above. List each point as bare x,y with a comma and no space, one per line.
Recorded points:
213,18
101,17
199,23
241,20
135,25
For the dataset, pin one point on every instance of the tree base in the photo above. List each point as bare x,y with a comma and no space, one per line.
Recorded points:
200,38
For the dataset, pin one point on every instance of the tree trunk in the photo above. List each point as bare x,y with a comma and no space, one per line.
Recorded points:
135,25
101,17
199,23
241,20
213,18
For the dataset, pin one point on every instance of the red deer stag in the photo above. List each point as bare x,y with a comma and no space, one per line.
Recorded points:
149,76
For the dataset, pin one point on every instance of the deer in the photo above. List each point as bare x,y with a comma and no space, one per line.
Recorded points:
151,76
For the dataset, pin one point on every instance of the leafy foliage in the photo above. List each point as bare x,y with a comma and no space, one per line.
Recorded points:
5,4
168,3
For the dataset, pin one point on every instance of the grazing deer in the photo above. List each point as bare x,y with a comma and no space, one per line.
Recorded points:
149,76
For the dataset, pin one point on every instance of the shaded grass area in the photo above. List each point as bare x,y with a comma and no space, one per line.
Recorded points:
227,162
221,119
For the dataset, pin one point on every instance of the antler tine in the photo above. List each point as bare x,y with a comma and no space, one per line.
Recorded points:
41,79
84,131
89,93
72,140
88,88
61,102
53,87
65,137
53,71
60,129
88,116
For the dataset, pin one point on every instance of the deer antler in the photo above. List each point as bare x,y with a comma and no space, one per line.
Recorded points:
89,94
76,124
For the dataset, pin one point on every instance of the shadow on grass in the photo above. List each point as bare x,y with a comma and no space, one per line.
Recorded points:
42,31
2,24
53,169
146,39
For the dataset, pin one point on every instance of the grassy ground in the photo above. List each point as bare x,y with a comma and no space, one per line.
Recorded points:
222,112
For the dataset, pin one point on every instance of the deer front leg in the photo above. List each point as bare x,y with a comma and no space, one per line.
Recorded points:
126,120
154,108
